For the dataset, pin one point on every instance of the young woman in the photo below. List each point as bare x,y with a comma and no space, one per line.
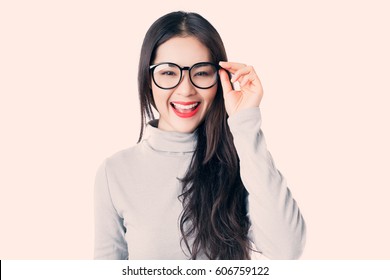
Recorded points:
200,183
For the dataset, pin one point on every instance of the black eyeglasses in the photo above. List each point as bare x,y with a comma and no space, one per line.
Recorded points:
167,75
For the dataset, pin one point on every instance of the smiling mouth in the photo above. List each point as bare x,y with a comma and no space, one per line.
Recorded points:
185,109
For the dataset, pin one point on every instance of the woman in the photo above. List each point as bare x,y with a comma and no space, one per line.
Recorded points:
200,183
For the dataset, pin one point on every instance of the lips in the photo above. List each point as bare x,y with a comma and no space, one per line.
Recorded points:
185,109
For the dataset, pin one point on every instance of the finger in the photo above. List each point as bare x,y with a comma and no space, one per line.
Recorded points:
244,81
247,73
244,71
231,66
225,81
248,79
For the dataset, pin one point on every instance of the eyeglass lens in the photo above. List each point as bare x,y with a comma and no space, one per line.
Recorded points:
202,75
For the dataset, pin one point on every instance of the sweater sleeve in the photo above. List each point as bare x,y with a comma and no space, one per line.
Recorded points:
277,226
110,240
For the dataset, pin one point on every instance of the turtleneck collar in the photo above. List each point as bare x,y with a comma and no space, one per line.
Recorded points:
168,141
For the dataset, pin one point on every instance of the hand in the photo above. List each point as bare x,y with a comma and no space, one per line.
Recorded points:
251,90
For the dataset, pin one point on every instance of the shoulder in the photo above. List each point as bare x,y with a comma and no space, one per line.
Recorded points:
118,168
123,157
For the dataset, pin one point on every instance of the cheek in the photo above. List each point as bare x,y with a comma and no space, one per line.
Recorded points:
210,96
160,98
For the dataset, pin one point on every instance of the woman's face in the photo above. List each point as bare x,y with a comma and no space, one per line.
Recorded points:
184,107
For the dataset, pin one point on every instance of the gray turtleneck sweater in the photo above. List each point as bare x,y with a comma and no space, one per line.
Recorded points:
137,206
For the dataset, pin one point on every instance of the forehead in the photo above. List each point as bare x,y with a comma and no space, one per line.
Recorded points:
184,51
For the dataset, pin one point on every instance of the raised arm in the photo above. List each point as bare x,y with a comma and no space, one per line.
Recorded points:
277,227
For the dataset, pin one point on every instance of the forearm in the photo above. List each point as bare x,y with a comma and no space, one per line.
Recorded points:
277,226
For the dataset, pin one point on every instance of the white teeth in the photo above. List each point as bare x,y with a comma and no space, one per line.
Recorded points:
185,107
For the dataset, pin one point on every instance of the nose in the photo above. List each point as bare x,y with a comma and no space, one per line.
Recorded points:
185,87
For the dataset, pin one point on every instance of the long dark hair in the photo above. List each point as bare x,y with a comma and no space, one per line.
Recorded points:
214,198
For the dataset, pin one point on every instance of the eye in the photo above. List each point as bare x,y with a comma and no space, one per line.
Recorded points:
202,74
203,70
167,70
168,73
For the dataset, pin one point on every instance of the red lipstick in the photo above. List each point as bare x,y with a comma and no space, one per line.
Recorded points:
185,109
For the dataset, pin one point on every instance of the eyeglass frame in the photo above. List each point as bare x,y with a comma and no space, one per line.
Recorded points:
152,67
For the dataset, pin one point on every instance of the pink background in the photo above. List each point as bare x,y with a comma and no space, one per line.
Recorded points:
69,99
